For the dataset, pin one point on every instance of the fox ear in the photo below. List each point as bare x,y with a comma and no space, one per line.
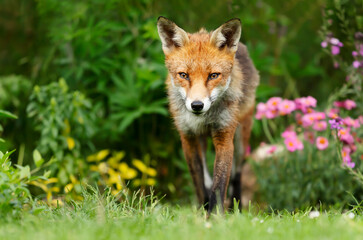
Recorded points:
227,35
171,35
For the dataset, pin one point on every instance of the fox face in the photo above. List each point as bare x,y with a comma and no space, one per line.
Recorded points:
200,64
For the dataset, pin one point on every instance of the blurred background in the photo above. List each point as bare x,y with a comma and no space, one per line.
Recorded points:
86,82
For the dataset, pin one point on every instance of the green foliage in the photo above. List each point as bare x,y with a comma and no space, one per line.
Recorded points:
5,114
62,117
65,122
13,89
310,178
117,55
14,193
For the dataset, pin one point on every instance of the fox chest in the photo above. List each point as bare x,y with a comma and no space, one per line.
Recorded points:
189,123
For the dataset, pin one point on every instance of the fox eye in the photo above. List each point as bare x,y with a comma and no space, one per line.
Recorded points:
184,75
213,76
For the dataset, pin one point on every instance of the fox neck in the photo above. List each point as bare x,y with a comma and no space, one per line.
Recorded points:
221,114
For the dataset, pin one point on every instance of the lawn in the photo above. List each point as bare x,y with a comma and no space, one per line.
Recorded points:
99,217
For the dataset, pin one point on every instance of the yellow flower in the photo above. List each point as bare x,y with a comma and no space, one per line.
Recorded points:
51,180
119,155
151,172
150,181
73,179
126,171
139,165
102,167
136,182
115,177
71,143
40,185
94,168
143,168
54,189
115,192
98,156
68,187
115,159
56,202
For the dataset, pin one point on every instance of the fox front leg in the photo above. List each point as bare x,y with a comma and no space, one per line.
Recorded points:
193,151
223,144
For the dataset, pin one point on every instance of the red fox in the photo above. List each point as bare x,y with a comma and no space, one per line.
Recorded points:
211,87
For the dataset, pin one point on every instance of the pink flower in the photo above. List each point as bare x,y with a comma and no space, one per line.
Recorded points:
291,144
346,154
272,149
322,143
291,141
335,50
286,107
349,122
324,44
271,113
307,120
261,107
356,123
333,113
309,136
345,136
320,125
354,53
334,41
311,101
347,160
288,134
304,103
261,110
350,164
273,103
319,115
349,104
356,64
338,104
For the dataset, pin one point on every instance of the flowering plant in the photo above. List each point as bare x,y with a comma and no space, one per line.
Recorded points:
322,161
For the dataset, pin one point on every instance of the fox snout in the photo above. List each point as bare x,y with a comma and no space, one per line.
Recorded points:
198,106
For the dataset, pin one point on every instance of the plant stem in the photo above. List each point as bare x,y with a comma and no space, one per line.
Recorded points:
267,131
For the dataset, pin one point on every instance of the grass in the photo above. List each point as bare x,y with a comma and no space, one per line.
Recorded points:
100,217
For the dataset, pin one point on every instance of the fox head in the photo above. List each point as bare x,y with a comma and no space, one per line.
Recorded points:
199,64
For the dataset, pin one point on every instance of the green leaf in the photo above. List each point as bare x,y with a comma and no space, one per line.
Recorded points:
6,114
7,154
38,160
129,119
47,174
24,171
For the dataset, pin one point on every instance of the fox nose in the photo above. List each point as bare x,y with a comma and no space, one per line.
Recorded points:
197,106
